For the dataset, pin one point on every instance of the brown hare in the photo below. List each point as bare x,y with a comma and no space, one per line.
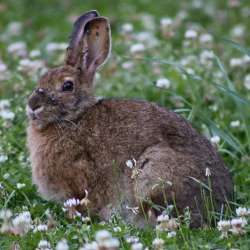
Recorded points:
125,153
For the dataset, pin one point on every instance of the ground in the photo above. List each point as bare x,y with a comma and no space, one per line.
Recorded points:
189,56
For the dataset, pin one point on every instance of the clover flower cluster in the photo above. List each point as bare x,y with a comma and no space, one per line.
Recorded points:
167,224
237,225
103,241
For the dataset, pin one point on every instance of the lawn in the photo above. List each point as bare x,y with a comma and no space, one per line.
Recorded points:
192,57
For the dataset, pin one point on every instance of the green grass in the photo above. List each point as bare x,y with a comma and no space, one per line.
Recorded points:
209,96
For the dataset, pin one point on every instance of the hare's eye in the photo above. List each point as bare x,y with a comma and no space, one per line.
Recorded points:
67,86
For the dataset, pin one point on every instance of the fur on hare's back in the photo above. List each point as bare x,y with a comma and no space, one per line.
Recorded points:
91,154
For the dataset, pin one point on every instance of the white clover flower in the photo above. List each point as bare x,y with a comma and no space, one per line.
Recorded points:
166,22
246,59
205,38
137,246
235,124
102,235
117,229
171,234
208,172
7,115
111,243
40,228
105,240
71,203
238,225
5,214
4,73
167,224
1,186
191,34
85,219
62,245
162,218
4,104
20,185
238,31
3,158
131,163
188,60
22,223
3,67
137,48
167,26
218,74
158,244
43,245
235,62
215,139
172,224
18,49
90,246
132,239
127,28
14,28
224,226
190,71
128,65
30,66
163,83
247,82
6,225
181,15
147,39
6,175
35,53
206,58
55,47
242,212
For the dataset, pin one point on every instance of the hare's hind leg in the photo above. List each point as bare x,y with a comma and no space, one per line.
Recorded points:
163,179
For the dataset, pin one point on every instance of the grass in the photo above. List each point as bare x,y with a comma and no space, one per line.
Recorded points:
209,92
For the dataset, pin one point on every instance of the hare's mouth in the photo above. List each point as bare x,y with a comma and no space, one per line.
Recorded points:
34,114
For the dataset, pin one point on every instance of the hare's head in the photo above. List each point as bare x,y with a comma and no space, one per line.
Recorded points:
64,92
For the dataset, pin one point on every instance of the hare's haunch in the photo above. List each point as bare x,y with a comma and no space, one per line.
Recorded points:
125,153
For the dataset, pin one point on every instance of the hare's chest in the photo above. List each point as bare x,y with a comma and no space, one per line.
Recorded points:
44,174
45,167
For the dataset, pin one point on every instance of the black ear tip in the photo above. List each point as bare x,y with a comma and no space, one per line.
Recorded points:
91,13
94,12
88,15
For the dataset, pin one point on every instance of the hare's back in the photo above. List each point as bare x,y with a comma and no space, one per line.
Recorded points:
119,130
135,125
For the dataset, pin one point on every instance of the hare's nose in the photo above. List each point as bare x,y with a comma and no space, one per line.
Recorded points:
34,103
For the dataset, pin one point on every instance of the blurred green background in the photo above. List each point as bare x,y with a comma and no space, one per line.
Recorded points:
200,49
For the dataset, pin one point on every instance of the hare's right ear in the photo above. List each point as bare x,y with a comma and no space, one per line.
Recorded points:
75,49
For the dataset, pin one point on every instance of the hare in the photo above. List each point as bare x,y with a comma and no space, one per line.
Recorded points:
127,154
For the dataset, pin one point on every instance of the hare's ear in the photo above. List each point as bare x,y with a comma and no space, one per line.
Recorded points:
74,50
96,44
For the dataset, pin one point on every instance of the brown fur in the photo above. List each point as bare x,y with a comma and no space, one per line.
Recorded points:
78,143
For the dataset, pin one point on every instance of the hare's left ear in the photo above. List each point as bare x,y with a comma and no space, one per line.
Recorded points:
75,48
96,44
